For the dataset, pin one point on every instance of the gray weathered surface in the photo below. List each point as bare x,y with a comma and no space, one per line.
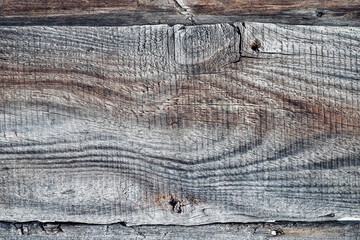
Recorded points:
288,231
170,125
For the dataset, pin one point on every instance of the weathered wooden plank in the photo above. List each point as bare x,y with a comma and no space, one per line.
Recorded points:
313,231
130,12
179,125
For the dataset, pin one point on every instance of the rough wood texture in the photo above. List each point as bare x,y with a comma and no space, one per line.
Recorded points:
179,125
288,231
130,12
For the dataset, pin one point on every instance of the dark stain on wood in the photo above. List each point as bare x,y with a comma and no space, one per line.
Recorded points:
175,203
256,45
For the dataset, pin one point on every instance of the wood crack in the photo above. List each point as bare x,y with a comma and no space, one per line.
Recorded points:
183,11
67,230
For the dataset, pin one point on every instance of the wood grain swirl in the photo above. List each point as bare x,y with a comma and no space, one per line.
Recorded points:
179,125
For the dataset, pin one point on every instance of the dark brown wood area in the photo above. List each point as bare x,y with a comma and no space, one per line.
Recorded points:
139,12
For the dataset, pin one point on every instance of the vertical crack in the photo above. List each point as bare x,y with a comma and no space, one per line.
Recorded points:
238,31
183,11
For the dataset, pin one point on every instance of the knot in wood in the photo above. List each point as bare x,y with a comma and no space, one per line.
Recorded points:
176,205
196,40
208,44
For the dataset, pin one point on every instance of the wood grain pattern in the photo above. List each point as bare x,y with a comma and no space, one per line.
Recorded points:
259,231
131,12
179,125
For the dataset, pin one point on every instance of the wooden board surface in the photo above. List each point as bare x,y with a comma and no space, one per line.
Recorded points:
131,12
253,231
179,125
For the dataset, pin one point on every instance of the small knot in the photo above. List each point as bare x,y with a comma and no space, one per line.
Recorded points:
319,14
256,45
176,205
